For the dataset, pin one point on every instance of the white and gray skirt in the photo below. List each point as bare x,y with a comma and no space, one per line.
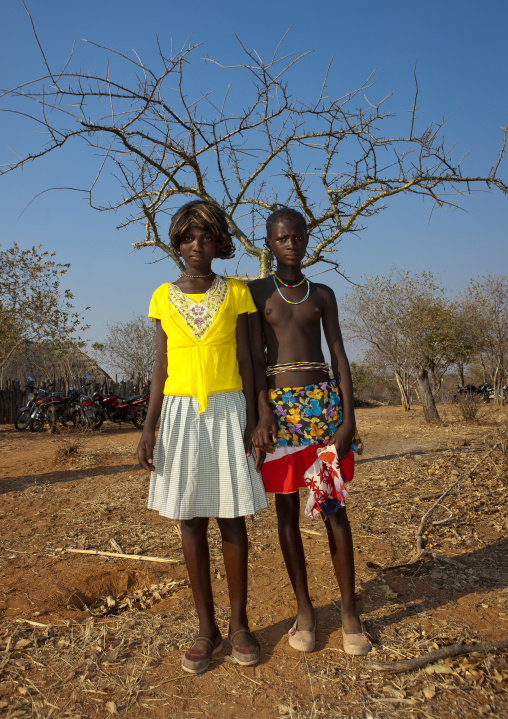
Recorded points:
200,465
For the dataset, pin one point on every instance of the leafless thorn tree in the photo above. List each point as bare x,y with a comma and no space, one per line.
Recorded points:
330,158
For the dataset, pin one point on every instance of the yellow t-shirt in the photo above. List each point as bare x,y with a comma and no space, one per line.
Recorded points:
201,332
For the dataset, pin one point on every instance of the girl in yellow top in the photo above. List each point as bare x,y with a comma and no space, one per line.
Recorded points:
203,391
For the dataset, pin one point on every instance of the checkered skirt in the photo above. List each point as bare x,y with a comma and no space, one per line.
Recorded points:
200,465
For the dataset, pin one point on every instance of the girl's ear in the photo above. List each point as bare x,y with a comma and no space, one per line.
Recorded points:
270,251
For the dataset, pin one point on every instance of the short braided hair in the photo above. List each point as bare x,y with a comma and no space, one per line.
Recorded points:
207,216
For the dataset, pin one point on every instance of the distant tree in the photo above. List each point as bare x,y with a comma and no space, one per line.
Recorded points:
337,158
33,307
466,335
372,382
404,319
130,347
361,375
487,303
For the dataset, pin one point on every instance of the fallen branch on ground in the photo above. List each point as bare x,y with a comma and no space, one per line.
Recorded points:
420,542
408,665
421,552
313,531
418,556
33,624
118,555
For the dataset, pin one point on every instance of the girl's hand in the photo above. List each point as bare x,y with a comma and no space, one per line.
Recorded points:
264,436
145,450
342,439
247,436
260,458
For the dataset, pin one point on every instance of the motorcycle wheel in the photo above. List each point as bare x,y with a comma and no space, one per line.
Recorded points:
80,421
52,417
99,419
22,419
37,422
139,418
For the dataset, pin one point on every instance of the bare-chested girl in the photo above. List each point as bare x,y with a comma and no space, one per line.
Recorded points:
299,413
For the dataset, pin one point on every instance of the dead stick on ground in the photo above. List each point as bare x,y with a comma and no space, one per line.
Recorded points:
124,556
454,650
462,478
33,624
117,547
421,552
312,531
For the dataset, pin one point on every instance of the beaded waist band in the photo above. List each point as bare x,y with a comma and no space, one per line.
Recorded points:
296,367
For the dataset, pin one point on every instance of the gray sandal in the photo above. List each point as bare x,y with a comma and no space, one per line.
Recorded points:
196,661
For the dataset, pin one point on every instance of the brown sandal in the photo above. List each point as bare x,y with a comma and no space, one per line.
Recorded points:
244,653
196,661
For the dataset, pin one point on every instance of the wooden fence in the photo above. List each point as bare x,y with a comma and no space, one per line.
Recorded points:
13,395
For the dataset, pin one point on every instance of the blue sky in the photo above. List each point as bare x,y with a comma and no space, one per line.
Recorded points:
460,49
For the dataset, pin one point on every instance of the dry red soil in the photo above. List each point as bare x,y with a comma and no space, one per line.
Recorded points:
91,636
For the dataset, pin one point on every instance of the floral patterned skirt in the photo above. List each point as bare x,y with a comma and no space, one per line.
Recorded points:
306,419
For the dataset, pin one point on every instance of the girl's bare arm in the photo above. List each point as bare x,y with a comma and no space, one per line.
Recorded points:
340,367
265,433
160,372
243,353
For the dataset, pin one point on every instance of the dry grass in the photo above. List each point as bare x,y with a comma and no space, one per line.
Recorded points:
470,408
120,653
68,449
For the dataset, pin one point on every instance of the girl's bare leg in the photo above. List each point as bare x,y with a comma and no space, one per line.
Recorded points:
235,551
290,539
197,559
340,542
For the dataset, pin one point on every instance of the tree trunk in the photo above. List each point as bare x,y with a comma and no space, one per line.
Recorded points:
429,406
482,362
495,382
498,382
403,384
460,372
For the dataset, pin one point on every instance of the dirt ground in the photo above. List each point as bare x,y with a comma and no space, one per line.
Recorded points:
91,636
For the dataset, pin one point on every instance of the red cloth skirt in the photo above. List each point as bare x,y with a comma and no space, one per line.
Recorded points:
284,474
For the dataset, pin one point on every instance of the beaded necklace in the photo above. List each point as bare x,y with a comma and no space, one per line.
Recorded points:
195,277
289,301
286,284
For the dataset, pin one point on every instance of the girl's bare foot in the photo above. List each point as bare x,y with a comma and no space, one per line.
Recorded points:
351,620
306,619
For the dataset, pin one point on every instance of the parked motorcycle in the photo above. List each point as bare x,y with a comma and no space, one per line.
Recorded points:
23,415
40,415
61,409
503,392
87,414
469,391
122,409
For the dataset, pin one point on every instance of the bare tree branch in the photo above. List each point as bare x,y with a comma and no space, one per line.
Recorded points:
164,140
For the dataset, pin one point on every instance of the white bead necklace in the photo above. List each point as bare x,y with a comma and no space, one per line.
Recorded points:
289,301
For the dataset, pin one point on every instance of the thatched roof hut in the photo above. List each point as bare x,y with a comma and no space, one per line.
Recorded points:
46,363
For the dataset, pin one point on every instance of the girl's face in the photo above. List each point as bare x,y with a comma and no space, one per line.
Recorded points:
198,247
288,240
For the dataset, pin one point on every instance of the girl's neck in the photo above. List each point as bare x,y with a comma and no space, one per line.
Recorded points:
196,281
202,273
289,273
